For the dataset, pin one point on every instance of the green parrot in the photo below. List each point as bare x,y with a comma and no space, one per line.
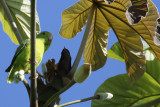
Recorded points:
21,59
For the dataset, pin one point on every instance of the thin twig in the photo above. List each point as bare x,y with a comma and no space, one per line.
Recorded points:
25,82
79,101
11,21
33,96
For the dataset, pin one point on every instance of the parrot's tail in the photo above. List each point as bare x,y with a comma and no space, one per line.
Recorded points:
8,69
11,74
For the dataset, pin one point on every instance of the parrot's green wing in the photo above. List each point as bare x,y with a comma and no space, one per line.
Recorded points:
18,51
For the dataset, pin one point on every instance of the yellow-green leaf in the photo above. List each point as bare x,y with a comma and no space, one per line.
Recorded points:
74,18
95,51
138,10
20,11
146,28
129,36
113,15
130,42
115,52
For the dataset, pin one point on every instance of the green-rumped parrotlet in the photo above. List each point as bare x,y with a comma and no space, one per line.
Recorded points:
21,59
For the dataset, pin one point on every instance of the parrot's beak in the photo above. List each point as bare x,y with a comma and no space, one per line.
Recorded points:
50,38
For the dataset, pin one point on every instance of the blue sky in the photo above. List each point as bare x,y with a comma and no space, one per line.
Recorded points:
50,19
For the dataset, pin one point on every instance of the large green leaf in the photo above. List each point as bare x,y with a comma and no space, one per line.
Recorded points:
112,15
125,94
115,52
20,11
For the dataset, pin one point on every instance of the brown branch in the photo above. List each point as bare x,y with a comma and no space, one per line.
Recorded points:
33,94
25,82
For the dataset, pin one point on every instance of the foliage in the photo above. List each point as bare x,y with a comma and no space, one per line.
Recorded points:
132,22
145,90
107,16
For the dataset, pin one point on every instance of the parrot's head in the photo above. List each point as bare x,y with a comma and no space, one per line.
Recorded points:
47,37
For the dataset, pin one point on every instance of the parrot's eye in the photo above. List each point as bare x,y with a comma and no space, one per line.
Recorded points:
43,33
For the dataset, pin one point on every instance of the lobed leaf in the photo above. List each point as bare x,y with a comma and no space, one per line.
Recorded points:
95,51
108,16
130,42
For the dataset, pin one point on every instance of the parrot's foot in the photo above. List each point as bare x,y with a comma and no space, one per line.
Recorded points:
36,62
28,72
29,60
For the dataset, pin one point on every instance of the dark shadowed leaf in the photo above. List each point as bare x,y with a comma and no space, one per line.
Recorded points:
44,91
138,10
64,64
125,94
20,10
45,95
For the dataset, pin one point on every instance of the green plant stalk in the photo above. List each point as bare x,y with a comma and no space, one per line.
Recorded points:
11,21
83,43
25,82
79,101
54,96
33,92
149,104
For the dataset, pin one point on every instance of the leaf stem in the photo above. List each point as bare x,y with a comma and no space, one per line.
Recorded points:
83,43
79,101
11,21
54,96
33,93
25,82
